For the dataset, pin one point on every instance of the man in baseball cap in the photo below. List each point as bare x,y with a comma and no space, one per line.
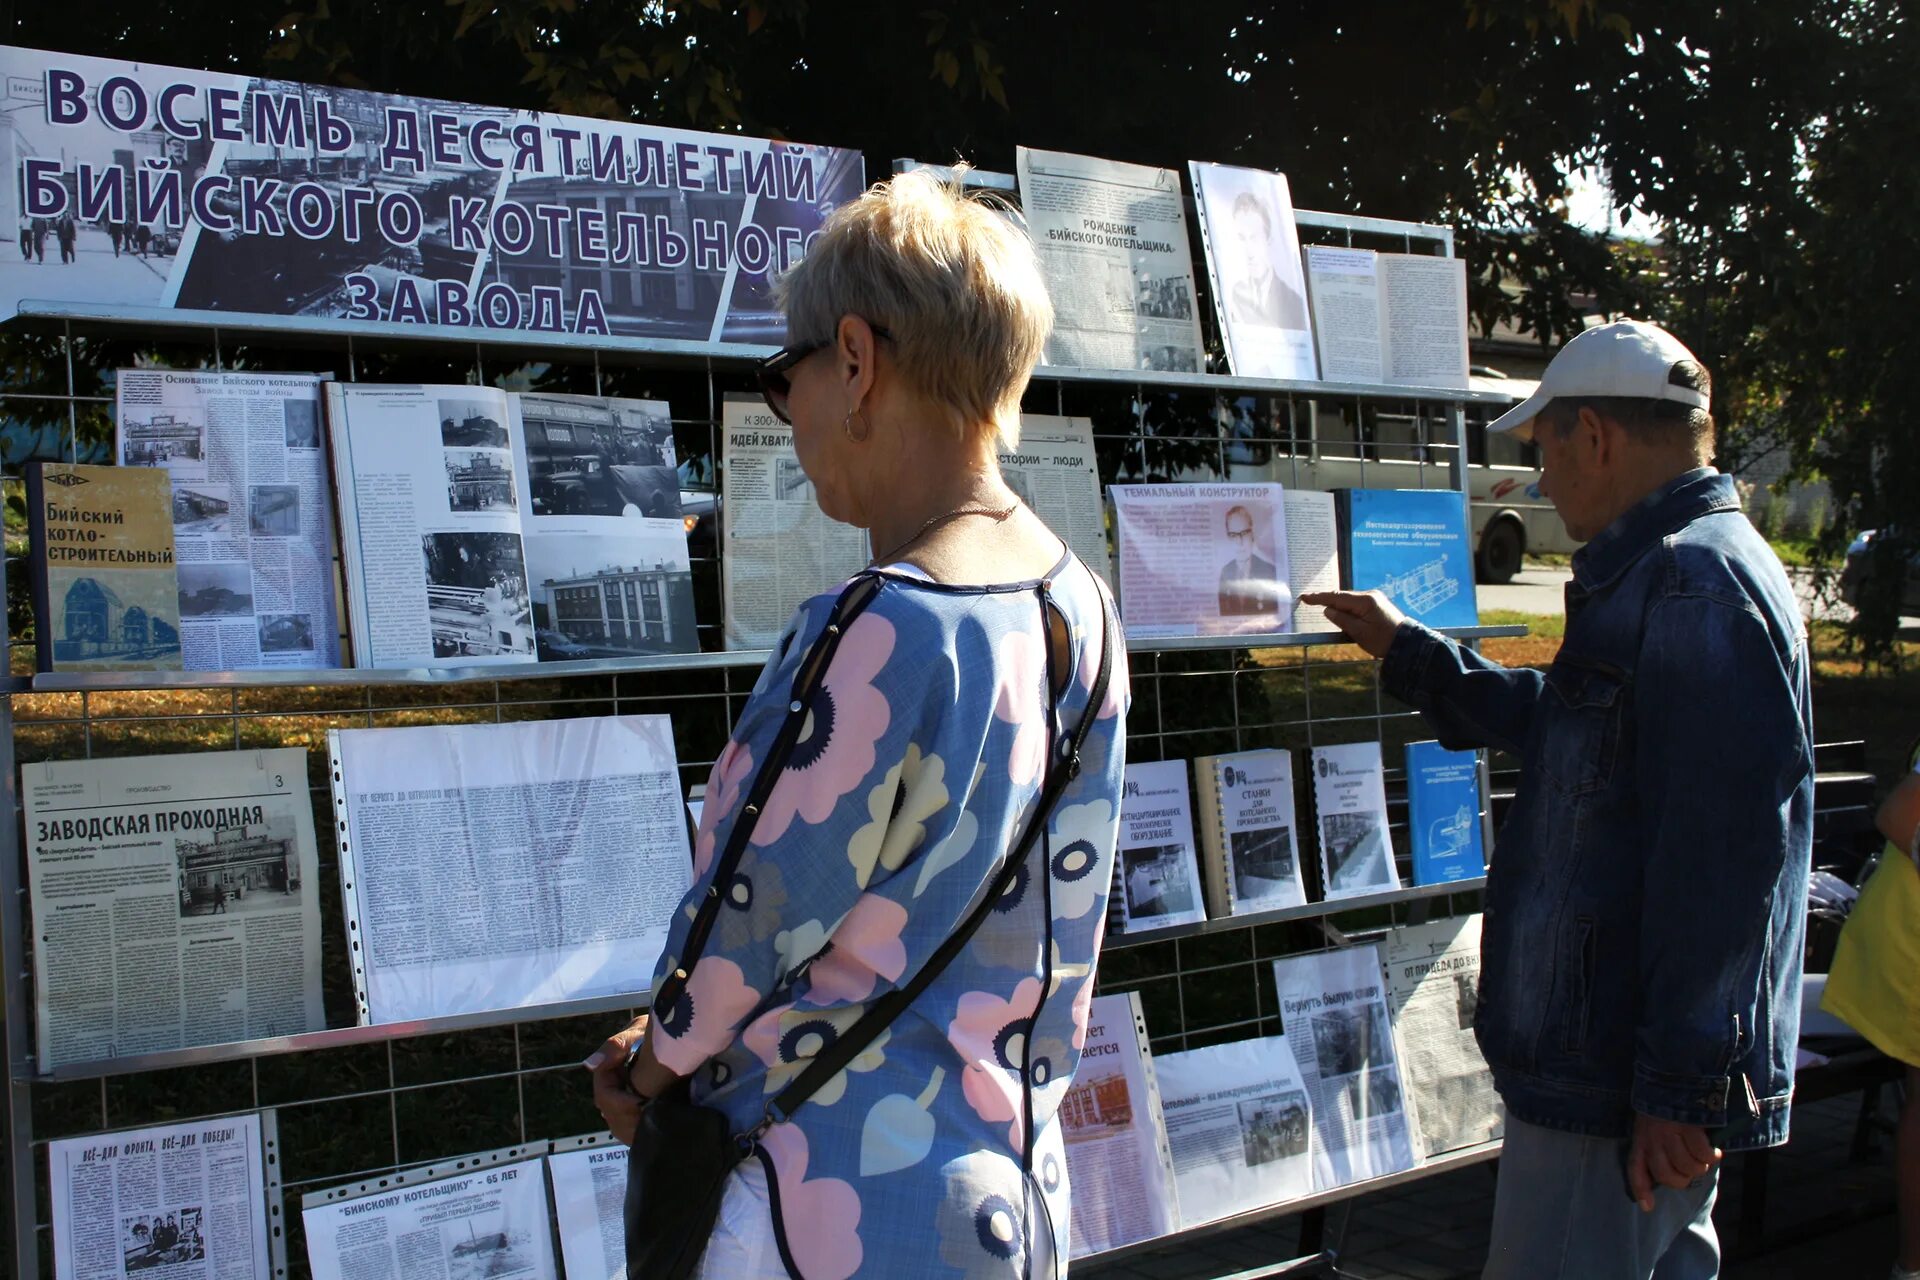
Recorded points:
1641,950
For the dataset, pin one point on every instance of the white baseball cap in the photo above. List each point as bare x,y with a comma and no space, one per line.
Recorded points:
1629,358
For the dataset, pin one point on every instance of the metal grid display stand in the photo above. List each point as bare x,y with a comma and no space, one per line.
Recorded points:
357,1104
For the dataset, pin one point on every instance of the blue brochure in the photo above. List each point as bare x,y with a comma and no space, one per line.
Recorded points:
1413,544
1443,810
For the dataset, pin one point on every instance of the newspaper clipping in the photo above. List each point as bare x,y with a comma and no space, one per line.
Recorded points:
1433,984
1055,472
180,1201
1157,867
1241,1127
252,511
497,866
781,548
1112,240
1333,1009
491,1224
1203,559
1118,1162
1350,801
589,1200
1253,258
174,900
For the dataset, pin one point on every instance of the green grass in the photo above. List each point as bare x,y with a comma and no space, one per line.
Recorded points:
1550,559
1537,624
1794,552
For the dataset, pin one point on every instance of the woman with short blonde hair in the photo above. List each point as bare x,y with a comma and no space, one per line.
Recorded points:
934,815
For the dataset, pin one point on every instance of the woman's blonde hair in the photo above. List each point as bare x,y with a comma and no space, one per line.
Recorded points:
953,279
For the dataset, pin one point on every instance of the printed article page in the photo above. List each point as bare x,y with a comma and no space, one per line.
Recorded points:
1333,1009
600,509
1118,1162
1345,287
1158,867
1241,1127
252,511
1253,260
589,1202
1056,473
1313,554
430,526
1433,983
780,548
491,1224
1203,559
1350,803
1112,240
498,866
1426,319
174,899
180,1201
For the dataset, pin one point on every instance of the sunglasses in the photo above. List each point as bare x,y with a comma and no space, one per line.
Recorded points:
775,384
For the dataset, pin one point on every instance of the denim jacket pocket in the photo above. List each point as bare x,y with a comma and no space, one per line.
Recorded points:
1580,734
1580,965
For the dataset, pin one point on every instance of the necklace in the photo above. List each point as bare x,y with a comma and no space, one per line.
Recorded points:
996,513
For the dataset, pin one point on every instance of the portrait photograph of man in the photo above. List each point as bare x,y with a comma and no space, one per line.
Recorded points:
1247,579
1253,259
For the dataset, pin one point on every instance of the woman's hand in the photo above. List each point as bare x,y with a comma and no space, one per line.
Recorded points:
619,1105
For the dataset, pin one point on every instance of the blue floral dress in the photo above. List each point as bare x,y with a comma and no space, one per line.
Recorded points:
936,1153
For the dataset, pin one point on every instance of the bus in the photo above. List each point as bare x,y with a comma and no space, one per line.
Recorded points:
1346,444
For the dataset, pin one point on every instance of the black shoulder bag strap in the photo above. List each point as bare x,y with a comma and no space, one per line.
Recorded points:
1060,773
852,603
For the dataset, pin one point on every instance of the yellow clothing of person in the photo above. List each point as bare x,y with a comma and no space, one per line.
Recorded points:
1875,983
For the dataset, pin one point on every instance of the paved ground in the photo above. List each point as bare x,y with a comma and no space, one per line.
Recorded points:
1828,1216
1541,589
1535,589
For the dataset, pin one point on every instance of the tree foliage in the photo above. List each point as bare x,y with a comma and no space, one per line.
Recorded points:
1768,141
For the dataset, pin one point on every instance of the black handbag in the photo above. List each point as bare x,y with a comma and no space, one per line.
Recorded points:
682,1152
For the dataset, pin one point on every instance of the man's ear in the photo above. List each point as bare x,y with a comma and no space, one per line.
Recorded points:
1596,437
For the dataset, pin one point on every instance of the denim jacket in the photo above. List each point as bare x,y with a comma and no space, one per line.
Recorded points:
1646,901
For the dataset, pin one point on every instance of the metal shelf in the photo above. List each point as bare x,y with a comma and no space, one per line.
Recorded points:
683,352
133,681
1307,911
1271,386
331,1038
1477,1154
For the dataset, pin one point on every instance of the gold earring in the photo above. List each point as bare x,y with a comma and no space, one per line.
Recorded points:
846,425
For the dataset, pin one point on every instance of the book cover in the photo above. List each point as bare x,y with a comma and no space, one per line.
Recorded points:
1415,546
1350,803
1249,839
1158,877
106,594
1443,808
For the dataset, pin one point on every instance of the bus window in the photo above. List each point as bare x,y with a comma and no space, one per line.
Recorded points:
1504,449
1335,435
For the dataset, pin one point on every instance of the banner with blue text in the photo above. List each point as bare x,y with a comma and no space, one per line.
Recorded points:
151,192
